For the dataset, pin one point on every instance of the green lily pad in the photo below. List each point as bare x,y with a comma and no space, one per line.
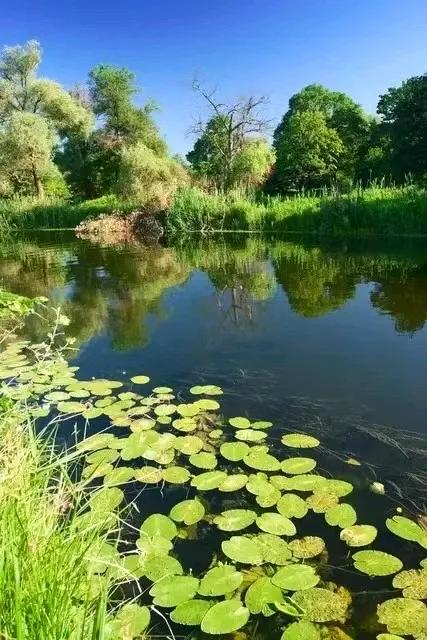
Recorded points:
57,396
208,390
261,461
71,407
276,524
103,455
159,525
220,580
97,470
188,410
131,621
413,582
296,466
119,475
239,423
188,445
268,499
321,501
188,511
261,424
165,409
321,605
225,617
338,488
140,379
376,563
206,404
359,535
204,460
274,550
404,616
176,475
148,475
300,441
235,519
307,547
157,567
162,390
233,482
215,434
301,630
304,482
174,590
341,515
407,529
295,577
156,545
106,499
292,506
143,424
261,594
185,424
191,613
250,435
258,484
209,480
389,636
243,550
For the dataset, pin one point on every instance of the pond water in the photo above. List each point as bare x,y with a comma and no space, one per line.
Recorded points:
329,339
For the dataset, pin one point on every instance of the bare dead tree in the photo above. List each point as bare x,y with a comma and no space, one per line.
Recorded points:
239,121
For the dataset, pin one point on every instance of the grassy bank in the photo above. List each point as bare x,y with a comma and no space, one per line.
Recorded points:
373,211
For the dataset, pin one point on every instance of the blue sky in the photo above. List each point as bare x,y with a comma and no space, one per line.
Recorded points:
269,47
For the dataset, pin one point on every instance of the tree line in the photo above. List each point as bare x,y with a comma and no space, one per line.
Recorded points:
94,140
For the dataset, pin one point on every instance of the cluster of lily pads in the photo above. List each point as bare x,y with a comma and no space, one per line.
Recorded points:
263,567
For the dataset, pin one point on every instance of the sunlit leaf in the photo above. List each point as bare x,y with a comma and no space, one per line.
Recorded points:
225,617
242,549
296,466
176,475
359,535
307,547
233,482
292,506
301,630
239,423
235,519
159,525
157,567
174,590
341,515
140,379
274,550
261,461
188,511
234,451
404,616
413,583
276,524
261,594
130,621
295,577
203,460
220,581
191,612
209,480
250,435
407,529
148,475
321,605
300,441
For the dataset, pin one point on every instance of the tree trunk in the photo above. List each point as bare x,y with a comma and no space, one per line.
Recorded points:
38,184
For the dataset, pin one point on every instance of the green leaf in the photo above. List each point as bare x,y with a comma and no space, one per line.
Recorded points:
233,482
321,501
243,550
71,407
292,506
131,621
296,466
174,590
206,404
413,583
239,423
185,424
338,488
162,390
359,535
260,594
208,390
190,613
341,515
119,475
140,379
106,499
261,424
188,511
376,563
300,441
188,410
274,550
261,461
250,435
403,616
407,529
234,451
321,605
295,577
225,617
148,475
153,545
204,460
159,525
307,547
302,630
235,519
188,445
157,567
220,581
304,482
276,524
165,409
104,455
209,480
176,475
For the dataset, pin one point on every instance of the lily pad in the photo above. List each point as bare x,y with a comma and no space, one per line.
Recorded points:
321,501
204,460
153,545
157,567
106,499
188,511
292,506
296,466
165,409
162,390
295,577
188,445
239,423
338,488
206,404
190,613
235,519
148,475
103,455
243,550
233,482
305,482
220,581
268,499
131,621
159,525
359,535
207,390
119,475
209,480
261,461
307,547
176,475
413,582
174,590
321,605
341,515
300,441
71,407
301,630
185,424
376,563
188,410
404,616
276,524
250,435
225,617
261,594
407,529
274,549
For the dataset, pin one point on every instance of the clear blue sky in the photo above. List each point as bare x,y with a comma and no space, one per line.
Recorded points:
271,47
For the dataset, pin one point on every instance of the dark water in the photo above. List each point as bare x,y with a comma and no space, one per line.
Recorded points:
329,339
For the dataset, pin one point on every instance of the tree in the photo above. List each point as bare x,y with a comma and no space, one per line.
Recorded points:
34,113
404,121
346,124
223,137
252,164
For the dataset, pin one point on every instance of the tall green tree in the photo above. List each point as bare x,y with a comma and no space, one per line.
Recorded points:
34,113
341,125
404,122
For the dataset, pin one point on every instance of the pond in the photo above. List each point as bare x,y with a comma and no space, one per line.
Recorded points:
328,339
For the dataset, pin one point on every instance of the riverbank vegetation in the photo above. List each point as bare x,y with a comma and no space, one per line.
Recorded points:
68,155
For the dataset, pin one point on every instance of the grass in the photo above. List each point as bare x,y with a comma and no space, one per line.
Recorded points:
376,210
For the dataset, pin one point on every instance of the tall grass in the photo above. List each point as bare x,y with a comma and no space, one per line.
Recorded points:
376,210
